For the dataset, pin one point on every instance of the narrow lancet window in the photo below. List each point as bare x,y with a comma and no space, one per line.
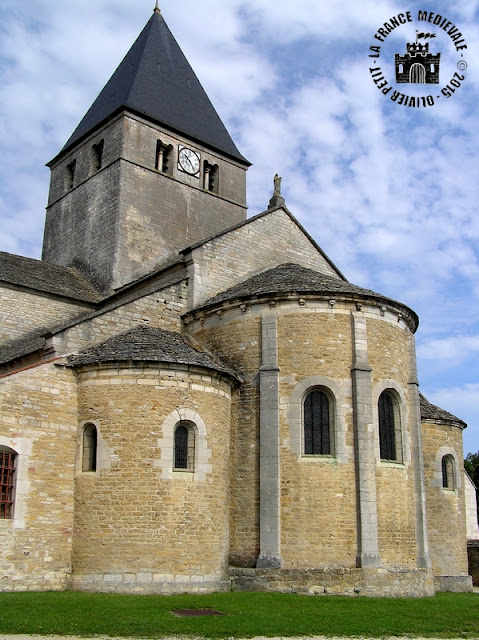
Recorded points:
89,448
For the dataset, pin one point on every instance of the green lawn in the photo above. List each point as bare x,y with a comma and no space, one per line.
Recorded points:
447,615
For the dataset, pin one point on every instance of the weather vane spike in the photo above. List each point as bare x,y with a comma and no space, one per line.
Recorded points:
157,8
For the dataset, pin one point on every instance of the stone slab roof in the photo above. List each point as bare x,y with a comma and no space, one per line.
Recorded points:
293,278
156,81
46,277
148,344
430,411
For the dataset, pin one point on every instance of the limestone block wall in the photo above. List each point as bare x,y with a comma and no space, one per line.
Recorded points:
117,222
81,221
38,420
388,357
238,343
141,526
23,312
445,507
318,495
318,505
140,146
471,509
266,241
160,309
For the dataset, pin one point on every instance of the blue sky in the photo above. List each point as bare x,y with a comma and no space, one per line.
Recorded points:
389,192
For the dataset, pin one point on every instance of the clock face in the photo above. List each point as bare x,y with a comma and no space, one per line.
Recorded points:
189,161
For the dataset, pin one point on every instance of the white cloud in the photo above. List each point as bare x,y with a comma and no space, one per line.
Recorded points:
463,402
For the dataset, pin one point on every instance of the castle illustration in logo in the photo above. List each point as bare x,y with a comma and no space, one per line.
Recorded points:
418,66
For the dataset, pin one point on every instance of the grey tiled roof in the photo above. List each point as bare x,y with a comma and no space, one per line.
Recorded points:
293,278
147,344
155,80
45,277
430,411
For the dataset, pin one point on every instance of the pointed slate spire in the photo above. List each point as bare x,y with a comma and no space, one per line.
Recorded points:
156,81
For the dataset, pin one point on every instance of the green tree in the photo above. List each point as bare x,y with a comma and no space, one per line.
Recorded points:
471,465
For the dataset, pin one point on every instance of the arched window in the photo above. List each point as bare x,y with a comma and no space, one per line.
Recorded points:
8,459
184,443
448,472
316,421
89,448
389,427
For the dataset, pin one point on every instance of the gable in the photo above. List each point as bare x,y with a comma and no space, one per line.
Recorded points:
268,240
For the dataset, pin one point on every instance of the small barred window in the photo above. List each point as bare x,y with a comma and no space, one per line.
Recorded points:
389,417
8,459
317,432
387,432
184,443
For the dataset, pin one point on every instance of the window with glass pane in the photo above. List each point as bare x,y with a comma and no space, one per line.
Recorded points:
317,437
387,427
7,482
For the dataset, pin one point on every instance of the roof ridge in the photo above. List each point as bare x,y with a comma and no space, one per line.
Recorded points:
148,26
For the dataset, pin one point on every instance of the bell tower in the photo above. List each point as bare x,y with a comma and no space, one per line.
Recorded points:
150,170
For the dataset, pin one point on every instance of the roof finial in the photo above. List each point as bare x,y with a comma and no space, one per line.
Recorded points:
277,200
157,8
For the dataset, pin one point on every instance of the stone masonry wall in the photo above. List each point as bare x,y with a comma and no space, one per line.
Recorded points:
82,222
265,242
318,494
445,507
318,497
139,525
163,212
23,312
38,419
239,344
388,357
159,309
117,223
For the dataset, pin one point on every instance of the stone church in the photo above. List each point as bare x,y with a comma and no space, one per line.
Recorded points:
193,400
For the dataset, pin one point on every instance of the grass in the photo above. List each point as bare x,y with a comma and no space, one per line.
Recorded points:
447,615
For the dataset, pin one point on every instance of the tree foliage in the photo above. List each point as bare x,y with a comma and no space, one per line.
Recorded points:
471,465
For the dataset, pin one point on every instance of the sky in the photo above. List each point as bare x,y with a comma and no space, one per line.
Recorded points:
389,191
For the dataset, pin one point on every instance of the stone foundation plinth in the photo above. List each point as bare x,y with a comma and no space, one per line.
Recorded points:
147,583
457,584
413,583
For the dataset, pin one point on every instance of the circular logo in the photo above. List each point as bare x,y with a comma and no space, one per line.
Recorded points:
417,59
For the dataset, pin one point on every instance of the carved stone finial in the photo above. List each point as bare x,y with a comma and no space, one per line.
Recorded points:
277,185
277,199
